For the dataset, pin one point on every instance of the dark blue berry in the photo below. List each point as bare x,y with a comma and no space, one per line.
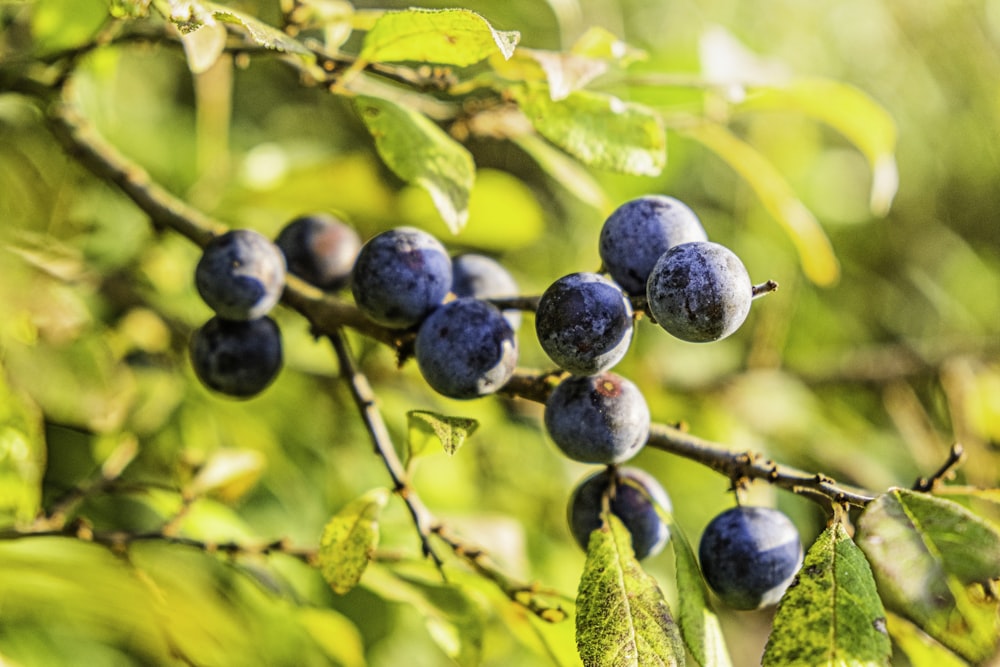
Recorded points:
401,275
584,323
749,556
639,231
320,249
240,275
634,499
237,358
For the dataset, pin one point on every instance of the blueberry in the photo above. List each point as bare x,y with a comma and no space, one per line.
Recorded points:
639,231
320,249
636,495
597,418
239,359
240,275
401,275
699,291
483,277
584,323
466,348
749,556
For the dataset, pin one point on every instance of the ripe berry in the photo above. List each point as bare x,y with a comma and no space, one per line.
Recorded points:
320,249
597,418
466,349
401,275
699,292
239,359
749,556
641,230
483,277
584,323
240,275
636,495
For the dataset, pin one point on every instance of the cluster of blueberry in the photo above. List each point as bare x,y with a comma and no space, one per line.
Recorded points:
698,291
241,275
466,347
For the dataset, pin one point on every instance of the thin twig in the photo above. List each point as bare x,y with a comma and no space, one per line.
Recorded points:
955,455
365,400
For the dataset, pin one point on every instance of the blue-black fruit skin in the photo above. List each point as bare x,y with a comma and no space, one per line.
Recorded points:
320,249
584,323
482,277
466,349
639,231
749,556
699,292
600,419
400,276
634,491
241,275
237,358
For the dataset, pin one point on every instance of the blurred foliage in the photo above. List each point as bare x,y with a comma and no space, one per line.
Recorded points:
881,348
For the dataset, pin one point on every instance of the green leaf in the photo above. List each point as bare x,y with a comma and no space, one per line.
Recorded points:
597,42
700,627
444,36
420,152
564,170
190,16
229,473
622,619
920,650
851,112
452,615
339,638
22,457
599,130
815,252
349,540
831,615
424,427
933,559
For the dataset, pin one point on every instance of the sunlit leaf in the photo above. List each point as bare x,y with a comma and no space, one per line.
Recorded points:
851,112
598,42
933,559
920,649
600,130
261,33
229,473
622,618
192,16
815,252
831,615
420,152
564,72
204,45
443,36
349,540
452,616
564,170
700,628
425,427
339,638
22,457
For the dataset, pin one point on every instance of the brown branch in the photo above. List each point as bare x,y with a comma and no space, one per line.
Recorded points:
956,454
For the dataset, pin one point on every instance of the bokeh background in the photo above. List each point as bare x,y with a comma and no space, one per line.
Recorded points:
868,380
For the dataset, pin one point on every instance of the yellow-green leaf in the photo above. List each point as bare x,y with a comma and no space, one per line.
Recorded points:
565,171
22,457
229,473
599,130
933,560
420,152
831,615
700,627
350,539
851,112
815,252
920,649
622,618
425,427
444,36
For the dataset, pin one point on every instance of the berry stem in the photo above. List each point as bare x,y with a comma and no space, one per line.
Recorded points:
764,288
